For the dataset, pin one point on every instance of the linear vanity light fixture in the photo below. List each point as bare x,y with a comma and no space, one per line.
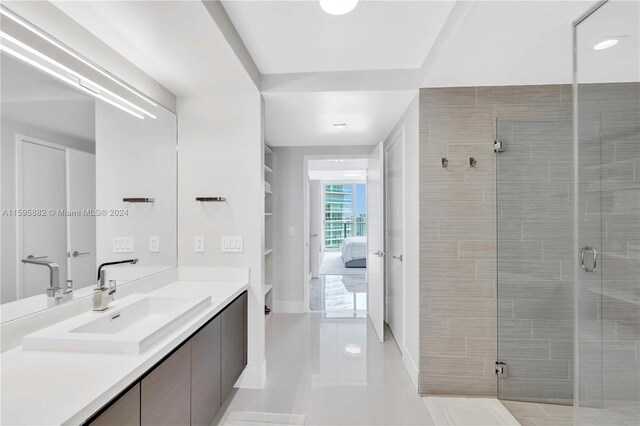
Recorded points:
97,89
70,52
210,199
139,200
65,79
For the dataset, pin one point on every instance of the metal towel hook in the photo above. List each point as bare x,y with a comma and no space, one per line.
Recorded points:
472,162
445,162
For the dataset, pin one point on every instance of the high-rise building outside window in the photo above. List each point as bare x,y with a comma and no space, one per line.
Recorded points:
345,213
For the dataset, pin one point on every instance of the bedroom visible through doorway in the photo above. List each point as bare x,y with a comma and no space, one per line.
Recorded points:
338,237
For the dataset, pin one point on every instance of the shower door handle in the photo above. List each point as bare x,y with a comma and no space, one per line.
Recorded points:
595,258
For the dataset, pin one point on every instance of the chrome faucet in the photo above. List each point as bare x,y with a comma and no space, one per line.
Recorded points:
55,293
103,294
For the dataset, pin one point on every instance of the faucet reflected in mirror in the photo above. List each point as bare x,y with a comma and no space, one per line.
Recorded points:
103,294
55,294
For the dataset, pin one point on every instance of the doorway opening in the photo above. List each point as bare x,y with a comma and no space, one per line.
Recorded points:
337,218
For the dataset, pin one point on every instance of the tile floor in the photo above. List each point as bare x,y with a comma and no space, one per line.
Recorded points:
533,414
338,293
333,372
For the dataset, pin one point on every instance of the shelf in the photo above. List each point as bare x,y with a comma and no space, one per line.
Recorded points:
268,169
267,317
268,149
266,289
267,252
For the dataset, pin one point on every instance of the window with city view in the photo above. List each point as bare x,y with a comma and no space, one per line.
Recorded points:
345,213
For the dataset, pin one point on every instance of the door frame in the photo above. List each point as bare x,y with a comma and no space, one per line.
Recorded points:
19,141
397,137
305,211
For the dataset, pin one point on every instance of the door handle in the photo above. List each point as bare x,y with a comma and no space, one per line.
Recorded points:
398,258
380,253
77,253
313,235
595,259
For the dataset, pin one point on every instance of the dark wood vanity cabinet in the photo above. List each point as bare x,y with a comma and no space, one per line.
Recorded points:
165,392
234,350
125,411
206,352
190,385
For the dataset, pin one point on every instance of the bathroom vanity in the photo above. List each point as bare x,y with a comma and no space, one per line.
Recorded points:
189,385
182,377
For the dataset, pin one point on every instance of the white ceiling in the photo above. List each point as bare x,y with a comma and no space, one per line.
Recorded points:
508,43
306,119
175,42
35,99
618,19
298,36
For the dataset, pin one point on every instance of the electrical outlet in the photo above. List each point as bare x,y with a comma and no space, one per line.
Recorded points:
232,244
154,244
199,244
122,244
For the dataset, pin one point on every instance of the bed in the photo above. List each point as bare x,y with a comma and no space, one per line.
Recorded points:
354,252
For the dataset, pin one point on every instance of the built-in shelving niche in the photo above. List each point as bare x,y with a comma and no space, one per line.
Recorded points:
267,282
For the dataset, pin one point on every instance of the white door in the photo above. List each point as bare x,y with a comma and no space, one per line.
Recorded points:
42,180
315,226
394,231
82,229
375,239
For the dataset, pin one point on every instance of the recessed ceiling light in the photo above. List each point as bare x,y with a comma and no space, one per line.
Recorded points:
338,7
605,44
339,126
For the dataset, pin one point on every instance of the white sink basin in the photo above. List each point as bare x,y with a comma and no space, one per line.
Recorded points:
130,326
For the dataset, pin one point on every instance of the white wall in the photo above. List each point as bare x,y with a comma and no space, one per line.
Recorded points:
8,192
411,351
136,158
220,146
288,181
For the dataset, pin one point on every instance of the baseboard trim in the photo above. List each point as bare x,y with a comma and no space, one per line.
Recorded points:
253,377
288,307
412,368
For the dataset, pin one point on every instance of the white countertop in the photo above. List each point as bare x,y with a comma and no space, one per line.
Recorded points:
43,387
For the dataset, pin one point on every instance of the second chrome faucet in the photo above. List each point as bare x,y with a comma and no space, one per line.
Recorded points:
103,294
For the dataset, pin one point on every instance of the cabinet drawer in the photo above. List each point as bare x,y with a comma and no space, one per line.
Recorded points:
166,391
124,411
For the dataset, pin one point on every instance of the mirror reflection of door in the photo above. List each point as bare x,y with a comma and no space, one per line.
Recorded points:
82,229
55,179
43,186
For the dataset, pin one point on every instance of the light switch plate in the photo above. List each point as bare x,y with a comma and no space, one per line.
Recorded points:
199,244
123,244
154,244
232,244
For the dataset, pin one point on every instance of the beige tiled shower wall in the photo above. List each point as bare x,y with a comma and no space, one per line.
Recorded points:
458,310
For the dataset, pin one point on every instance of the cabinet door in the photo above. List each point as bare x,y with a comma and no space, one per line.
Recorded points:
166,391
234,325
124,411
205,373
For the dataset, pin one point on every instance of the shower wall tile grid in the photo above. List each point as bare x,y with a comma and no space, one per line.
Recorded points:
458,241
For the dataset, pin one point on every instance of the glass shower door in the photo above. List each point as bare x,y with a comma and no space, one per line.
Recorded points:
535,258
607,92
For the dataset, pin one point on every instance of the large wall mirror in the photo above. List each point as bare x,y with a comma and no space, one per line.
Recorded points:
88,177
